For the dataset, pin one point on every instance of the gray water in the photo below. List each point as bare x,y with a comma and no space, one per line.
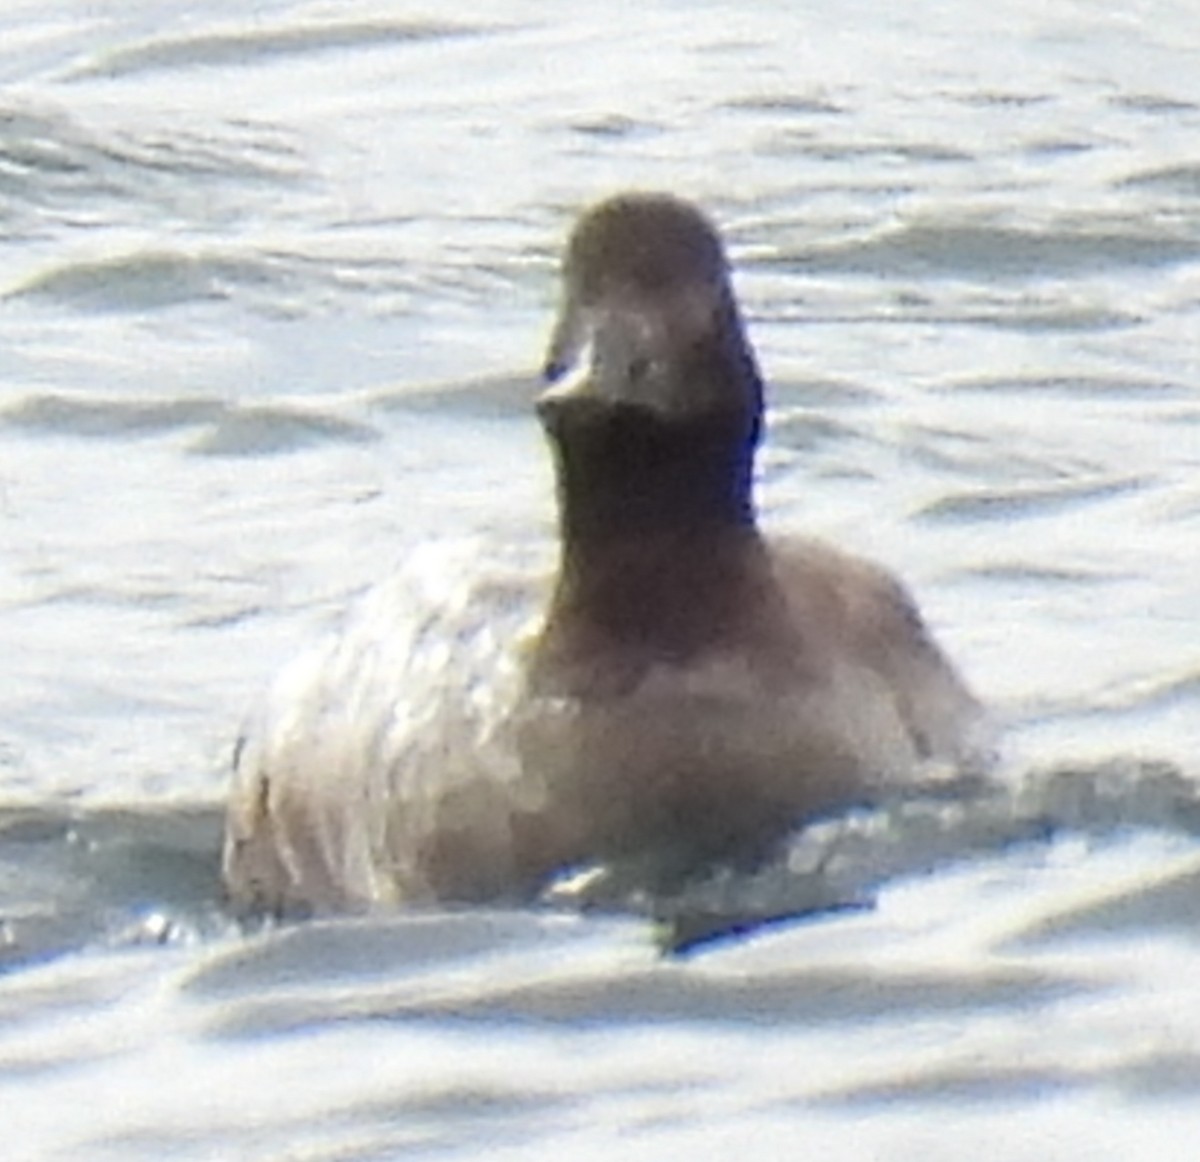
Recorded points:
272,288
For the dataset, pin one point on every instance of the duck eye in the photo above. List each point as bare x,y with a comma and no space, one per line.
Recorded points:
639,369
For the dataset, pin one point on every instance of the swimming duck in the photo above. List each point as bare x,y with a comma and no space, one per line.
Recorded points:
691,692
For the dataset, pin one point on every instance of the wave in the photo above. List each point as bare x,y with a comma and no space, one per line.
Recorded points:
222,429
1143,696
477,965
122,876
502,396
983,251
1181,179
55,165
280,280
1027,500
250,45
262,430
71,878
68,415
146,280
1076,387
787,104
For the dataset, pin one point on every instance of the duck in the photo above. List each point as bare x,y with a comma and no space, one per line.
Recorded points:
689,690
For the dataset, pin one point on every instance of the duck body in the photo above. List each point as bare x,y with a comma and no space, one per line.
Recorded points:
691,690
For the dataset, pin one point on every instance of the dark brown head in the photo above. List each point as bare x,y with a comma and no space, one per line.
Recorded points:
655,401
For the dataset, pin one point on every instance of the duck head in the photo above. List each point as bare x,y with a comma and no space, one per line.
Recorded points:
654,400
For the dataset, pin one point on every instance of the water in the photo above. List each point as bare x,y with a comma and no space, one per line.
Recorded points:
273,287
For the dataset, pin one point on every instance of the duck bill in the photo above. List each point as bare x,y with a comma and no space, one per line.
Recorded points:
569,342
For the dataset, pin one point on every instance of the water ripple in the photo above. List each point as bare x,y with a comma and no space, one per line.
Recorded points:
146,279
1005,503
1075,387
53,414
52,162
261,431
224,429
1182,178
929,249
241,46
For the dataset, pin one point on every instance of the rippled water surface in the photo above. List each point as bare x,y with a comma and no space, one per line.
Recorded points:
272,289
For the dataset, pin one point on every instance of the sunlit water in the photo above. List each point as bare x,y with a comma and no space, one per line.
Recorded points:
273,286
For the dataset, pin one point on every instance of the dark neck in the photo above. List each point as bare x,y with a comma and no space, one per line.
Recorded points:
657,528
626,474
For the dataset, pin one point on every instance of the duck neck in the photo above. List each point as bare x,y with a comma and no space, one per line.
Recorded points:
626,475
656,523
